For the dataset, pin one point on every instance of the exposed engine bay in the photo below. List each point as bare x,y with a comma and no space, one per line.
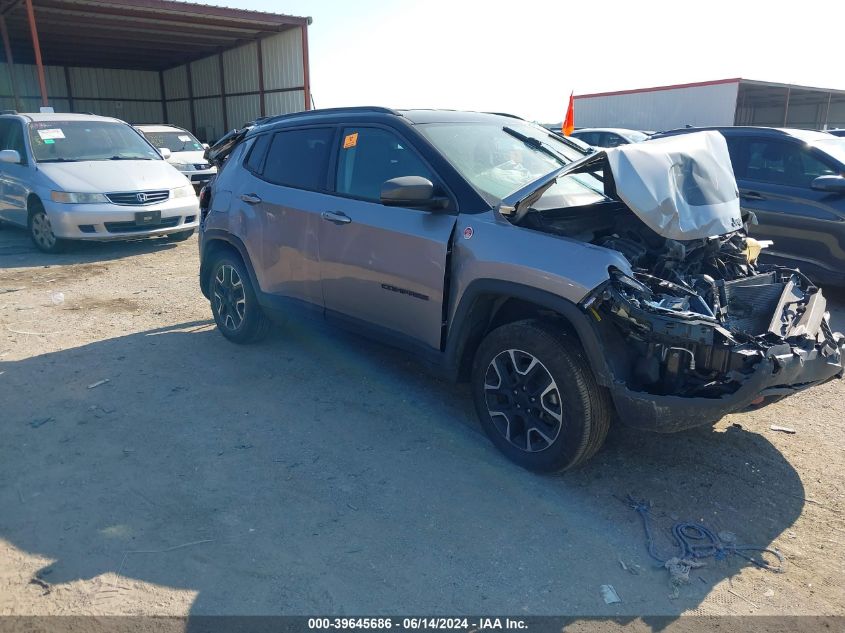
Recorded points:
698,315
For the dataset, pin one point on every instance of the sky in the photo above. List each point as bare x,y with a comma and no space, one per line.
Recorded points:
525,57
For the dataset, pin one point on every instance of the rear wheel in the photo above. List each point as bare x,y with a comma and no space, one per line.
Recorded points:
41,230
233,301
537,398
181,236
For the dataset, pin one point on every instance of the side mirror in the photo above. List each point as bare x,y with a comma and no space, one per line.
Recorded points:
10,156
205,146
165,153
411,191
831,184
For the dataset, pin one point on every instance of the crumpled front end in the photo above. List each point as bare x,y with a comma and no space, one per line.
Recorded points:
689,353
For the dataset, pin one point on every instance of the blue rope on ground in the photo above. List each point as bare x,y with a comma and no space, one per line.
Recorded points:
696,541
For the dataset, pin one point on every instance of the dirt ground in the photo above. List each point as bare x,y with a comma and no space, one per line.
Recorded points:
318,473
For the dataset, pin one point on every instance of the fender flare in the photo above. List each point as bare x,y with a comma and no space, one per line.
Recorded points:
212,236
474,310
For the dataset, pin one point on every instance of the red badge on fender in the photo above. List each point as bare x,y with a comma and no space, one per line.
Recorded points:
467,232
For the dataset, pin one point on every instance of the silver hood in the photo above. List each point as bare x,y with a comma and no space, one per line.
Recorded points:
682,187
103,176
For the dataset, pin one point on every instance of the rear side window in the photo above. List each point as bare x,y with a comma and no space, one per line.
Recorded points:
299,158
255,160
369,157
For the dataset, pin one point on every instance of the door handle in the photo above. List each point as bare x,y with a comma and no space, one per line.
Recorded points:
752,195
338,217
250,198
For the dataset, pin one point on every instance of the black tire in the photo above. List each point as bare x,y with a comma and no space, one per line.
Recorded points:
556,430
181,236
41,230
234,305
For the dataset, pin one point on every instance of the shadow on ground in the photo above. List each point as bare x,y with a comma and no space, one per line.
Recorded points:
17,251
317,473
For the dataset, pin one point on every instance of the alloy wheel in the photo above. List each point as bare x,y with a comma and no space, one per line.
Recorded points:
42,231
523,400
229,297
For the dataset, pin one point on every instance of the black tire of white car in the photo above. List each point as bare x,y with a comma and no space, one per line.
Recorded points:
549,381
181,236
41,231
234,304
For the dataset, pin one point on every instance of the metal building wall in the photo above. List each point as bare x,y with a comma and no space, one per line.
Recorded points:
131,95
662,109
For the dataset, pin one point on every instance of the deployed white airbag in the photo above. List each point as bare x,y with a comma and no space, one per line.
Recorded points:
682,187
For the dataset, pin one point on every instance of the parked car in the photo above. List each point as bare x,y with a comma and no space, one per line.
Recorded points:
186,153
505,255
85,177
608,137
793,182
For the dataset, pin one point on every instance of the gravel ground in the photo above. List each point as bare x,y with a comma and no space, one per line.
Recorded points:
321,473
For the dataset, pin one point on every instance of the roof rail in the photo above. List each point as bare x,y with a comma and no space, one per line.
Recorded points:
512,116
345,110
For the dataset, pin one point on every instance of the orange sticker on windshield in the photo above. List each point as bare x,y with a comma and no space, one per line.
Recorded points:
350,140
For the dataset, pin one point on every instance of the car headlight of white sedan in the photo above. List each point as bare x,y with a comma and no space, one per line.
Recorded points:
183,166
183,192
66,197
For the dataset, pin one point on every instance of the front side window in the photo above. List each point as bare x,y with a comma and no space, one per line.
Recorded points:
782,163
371,156
11,137
175,141
70,141
299,158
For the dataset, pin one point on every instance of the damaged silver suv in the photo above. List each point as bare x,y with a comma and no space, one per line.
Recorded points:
570,289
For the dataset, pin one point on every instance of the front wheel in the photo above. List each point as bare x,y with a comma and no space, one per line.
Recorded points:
537,398
233,301
41,232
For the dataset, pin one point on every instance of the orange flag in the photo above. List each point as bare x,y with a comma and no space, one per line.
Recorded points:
569,121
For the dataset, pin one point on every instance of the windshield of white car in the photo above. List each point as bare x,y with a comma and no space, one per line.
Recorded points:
72,141
176,141
499,160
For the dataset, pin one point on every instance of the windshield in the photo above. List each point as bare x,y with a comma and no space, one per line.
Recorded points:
60,141
635,136
501,159
176,141
834,147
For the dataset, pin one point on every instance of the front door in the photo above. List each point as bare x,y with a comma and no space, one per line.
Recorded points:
383,265
14,185
807,227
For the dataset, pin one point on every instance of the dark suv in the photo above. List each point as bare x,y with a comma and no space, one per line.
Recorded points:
504,254
792,181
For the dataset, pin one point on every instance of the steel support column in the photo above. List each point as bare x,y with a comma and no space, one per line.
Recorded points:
191,99
42,80
306,69
223,94
261,107
163,95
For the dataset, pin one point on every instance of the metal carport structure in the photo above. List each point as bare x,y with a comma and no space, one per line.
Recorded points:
205,68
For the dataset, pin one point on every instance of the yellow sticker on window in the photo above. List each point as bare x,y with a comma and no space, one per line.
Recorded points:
350,140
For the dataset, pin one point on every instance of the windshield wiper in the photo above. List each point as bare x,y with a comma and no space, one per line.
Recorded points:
58,160
129,158
538,145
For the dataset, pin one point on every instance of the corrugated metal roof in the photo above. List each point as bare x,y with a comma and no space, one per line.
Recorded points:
138,34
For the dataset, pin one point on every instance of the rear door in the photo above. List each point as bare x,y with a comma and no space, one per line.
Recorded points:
285,189
383,265
807,226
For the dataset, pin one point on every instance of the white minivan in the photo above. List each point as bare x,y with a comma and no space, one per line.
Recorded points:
187,154
85,177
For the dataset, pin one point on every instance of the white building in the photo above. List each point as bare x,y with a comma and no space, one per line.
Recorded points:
722,102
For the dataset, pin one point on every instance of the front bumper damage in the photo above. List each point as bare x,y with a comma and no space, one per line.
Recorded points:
797,351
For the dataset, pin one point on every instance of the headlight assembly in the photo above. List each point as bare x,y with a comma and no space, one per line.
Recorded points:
183,192
77,198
